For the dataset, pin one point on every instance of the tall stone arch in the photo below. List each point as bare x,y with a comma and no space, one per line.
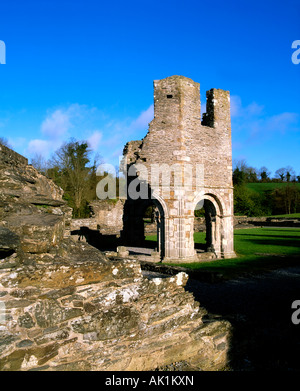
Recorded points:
133,225
179,136
218,226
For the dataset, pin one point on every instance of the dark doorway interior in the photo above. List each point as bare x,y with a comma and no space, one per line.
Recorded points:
205,217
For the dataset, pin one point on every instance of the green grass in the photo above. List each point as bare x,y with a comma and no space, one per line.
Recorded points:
261,187
258,250
152,238
292,216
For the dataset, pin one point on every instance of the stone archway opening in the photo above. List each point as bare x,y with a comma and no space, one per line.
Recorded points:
207,227
143,227
205,223
199,227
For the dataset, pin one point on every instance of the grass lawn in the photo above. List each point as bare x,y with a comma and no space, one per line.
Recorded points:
258,250
291,216
261,187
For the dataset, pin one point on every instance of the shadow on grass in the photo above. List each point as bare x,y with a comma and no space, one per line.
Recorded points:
255,297
279,241
107,242
227,269
259,310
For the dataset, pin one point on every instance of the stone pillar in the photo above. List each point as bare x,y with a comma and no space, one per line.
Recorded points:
179,233
227,245
157,218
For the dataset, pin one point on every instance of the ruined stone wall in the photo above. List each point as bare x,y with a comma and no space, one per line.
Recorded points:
108,215
22,182
31,206
10,157
90,223
176,136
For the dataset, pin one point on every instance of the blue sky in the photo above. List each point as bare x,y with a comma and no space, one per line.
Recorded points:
85,69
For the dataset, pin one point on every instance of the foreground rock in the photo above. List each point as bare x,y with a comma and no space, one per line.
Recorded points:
91,314
66,306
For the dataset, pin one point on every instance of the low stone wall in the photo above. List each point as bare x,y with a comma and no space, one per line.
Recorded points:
90,223
266,221
108,216
150,229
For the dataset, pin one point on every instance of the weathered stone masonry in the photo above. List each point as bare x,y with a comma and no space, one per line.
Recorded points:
66,306
177,136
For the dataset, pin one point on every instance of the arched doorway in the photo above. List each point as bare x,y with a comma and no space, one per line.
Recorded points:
136,216
208,221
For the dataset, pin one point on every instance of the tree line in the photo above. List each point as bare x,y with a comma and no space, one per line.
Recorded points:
242,173
282,197
73,167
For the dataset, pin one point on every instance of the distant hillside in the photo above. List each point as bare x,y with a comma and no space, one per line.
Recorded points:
261,187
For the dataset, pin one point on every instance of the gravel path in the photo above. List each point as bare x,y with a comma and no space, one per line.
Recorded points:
259,309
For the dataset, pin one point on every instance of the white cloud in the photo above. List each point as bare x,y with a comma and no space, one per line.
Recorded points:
117,132
62,123
94,140
251,124
254,109
40,147
278,124
104,134
282,122
238,110
56,124
75,117
235,105
143,119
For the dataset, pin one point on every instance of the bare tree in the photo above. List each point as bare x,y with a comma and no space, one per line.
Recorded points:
280,173
286,173
264,174
241,164
40,163
290,174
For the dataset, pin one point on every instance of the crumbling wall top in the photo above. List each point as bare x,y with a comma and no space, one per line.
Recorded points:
8,156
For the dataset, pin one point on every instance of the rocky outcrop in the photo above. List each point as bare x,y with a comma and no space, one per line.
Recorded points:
65,306
31,206
84,314
18,180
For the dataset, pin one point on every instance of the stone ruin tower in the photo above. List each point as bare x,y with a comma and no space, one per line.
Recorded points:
178,143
